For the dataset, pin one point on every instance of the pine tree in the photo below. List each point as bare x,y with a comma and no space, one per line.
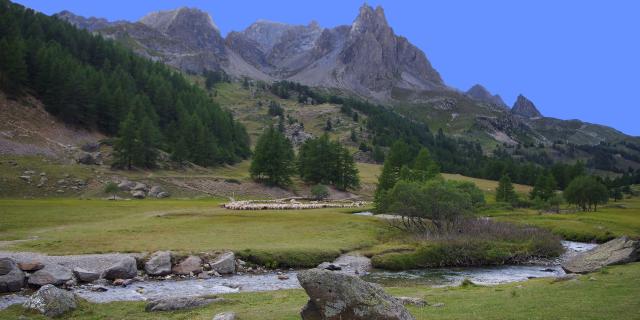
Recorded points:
127,148
148,136
13,68
424,166
273,159
544,188
505,191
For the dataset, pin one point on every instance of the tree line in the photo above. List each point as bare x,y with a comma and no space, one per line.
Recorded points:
87,81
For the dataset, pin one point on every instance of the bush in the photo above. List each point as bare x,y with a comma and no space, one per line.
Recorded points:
319,192
288,258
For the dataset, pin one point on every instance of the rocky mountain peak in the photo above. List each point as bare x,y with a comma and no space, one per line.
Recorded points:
525,108
480,93
370,20
164,21
90,24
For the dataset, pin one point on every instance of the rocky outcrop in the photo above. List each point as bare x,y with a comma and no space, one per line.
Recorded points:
190,265
125,269
54,274
51,301
480,93
525,108
11,277
334,296
224,263
617,251
159,264
183,303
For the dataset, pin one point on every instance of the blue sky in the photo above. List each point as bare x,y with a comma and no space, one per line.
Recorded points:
574,59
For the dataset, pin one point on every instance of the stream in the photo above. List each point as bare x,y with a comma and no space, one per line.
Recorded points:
140,291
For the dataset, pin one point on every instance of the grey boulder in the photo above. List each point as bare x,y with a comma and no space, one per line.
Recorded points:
138,194
54,274
192,264
224,263
125,269
11,277
159,264
617,251
51,301
182,303
335,296
85,275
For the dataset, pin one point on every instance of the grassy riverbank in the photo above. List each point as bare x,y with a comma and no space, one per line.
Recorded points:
291,238
595,296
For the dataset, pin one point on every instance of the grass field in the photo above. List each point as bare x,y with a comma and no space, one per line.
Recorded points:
94,226
612,293
612,220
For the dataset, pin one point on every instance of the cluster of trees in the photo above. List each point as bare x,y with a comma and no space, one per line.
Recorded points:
213,77
319,161
587,193
414,189
94,83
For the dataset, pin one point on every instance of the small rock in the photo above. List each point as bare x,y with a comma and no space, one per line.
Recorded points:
54,274
139,186
225,263
126,185
405,301
51,301
225,316
162,195
98,289
122,282
29,173
85,275
283,277
182,303
192,264
204,276
86,158
138,194
26,178
30,266
437,305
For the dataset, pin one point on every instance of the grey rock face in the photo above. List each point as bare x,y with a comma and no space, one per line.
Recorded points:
480,93
171,304
334,296
85,275
225,263
525,108
192,264
51,301
617,251
159,264
125,269
11,277
138,194
54,274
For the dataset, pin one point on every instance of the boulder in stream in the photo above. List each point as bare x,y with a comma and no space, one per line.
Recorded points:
334,296
159,264
225,263
225,316
51,301
125,269
11,277
617,251
52,273
85,275
192,264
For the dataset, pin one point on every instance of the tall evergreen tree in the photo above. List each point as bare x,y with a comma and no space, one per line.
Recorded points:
505,191
398,156
13,68
127,149
273,159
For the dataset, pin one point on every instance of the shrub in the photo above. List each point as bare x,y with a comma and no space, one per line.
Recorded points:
319,192
111,188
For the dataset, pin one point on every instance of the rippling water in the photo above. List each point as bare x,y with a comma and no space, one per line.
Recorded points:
141,291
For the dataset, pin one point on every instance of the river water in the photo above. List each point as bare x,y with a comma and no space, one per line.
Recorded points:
141,291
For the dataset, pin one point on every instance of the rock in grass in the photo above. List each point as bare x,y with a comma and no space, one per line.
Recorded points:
125,269
85,275
11,277
51,301
182,303
225,316
406,301
225,263
192,264
334,296
617,251
54,274
159,264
